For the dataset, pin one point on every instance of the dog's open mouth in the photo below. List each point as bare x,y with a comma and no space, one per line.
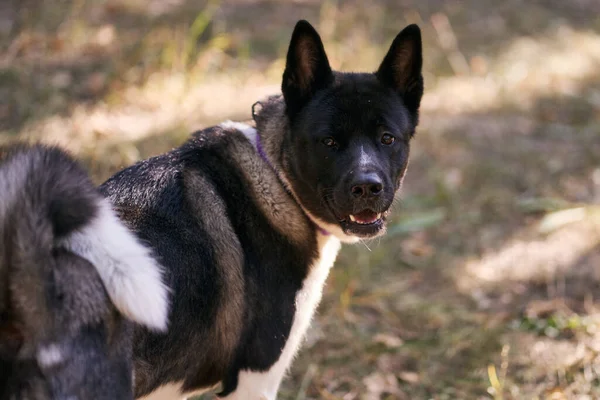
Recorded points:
366,223
365,217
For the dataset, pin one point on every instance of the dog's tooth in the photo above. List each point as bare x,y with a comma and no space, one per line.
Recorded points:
378,215
352,218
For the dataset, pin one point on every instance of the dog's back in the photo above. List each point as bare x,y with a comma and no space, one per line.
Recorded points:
196,207
61,333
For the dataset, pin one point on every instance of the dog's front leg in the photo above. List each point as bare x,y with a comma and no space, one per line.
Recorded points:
263,385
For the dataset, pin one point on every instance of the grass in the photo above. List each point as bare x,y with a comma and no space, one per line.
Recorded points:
486,285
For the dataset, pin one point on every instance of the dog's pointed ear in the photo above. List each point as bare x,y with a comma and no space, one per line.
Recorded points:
307,69
401,67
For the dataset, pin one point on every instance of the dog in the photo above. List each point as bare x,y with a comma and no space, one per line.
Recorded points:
71,279
248,220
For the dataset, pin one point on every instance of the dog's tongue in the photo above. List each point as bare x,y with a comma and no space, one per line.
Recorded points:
366,217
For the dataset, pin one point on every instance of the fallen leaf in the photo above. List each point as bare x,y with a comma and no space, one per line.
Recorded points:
558,219
378,383
105,35
410,377
388,340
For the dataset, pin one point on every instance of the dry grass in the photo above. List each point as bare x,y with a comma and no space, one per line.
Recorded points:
485,287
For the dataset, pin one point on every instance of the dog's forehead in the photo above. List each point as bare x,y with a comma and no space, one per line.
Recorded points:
359,101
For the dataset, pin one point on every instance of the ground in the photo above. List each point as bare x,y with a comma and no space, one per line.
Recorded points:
487,284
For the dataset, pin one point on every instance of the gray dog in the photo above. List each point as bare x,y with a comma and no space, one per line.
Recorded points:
70,276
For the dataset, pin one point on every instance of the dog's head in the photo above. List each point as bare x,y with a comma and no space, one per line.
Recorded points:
349,133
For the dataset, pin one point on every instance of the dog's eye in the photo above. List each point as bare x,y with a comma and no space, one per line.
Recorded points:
329,142
387,139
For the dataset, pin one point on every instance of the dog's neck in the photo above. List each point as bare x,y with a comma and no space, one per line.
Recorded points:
263,155
271,121
261,151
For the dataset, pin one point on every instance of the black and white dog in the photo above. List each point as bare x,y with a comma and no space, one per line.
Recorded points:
70,275
248,222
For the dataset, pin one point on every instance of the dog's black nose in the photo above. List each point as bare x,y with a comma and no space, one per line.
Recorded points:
367,185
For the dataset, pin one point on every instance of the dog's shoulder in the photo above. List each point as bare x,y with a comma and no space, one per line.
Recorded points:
157,185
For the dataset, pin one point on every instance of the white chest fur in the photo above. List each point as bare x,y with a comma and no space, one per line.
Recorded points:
264,385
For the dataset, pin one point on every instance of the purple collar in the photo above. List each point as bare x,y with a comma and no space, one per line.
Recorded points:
263,155
261,152
323,231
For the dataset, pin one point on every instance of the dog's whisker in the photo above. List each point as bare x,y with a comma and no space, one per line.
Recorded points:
365,244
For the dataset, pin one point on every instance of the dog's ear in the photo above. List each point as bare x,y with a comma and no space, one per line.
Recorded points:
307,69
401,67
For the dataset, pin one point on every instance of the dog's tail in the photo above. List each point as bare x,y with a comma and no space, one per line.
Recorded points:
48,201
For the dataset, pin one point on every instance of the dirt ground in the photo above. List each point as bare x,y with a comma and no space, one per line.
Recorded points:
487,285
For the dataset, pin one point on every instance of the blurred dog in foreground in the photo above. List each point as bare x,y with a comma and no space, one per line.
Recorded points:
249,221
71,275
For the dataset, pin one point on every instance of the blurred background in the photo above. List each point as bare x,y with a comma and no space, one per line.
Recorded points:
487,285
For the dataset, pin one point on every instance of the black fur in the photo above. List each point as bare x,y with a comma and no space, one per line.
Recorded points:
307,68
354,111
196,206
401,69
150,196
50,296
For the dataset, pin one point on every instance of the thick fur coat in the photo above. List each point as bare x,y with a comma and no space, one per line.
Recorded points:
248,221
70,274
